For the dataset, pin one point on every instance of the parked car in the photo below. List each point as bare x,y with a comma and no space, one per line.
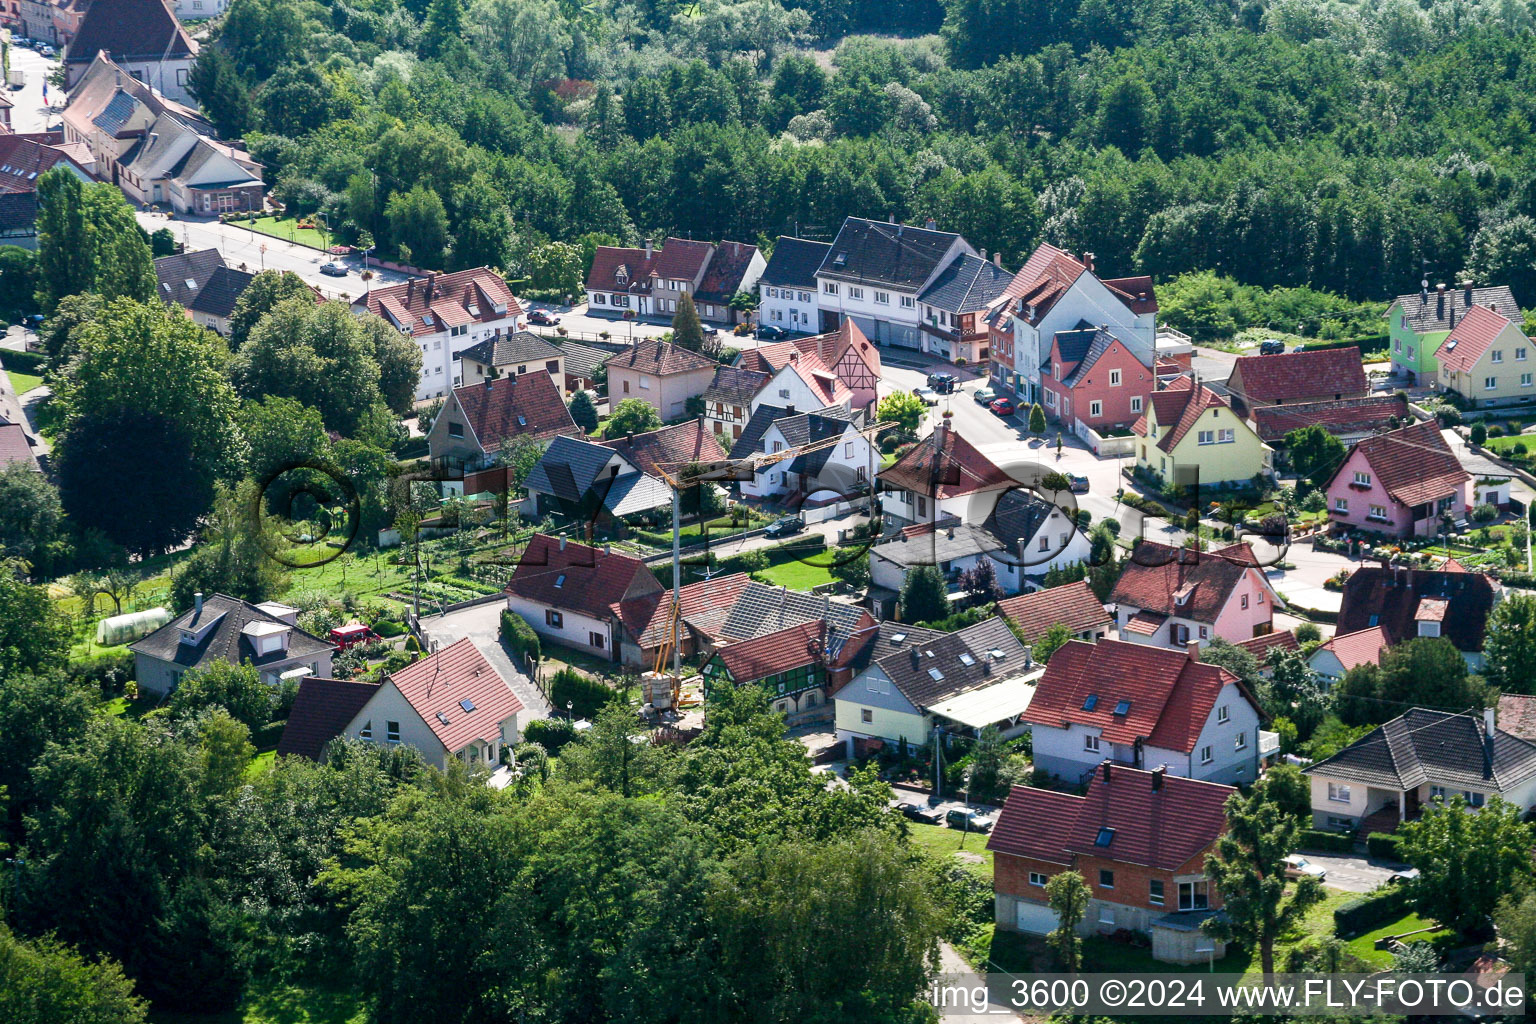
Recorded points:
1002,406
1297,866
768,332
969,820
1405,875
710,330
46,51
985,396
943,383
1272,347
928,395
918,812
1079,483
333,270
352,634
784,526
543,317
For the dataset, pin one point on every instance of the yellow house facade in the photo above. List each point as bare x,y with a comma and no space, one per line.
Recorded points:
1488,360
1191,435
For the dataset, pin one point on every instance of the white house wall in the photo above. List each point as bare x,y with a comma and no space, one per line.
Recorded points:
388,704
574,629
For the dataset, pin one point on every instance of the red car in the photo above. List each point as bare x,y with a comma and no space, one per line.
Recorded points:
1002,406
543,318
352,634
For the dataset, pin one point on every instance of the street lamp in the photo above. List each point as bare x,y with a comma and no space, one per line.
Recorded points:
570,714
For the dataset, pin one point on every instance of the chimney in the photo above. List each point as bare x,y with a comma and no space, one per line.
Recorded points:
1439,301
562,542
410,291
431,288
197,604
789,410
1490,723
647,248
1453,316
630,437
944,423
951,533
1193,649
794,357
607,549
1088,261
983,254
931,224
1157,777
1106,765
917,658
890,218
1466,293
997,258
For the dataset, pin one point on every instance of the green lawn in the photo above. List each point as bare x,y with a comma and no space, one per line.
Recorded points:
1364,946
260,764
272,1002
122,706
945,842
24,382
795,575
287,230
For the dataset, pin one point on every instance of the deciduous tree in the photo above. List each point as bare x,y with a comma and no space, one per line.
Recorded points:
1068,895
1467,861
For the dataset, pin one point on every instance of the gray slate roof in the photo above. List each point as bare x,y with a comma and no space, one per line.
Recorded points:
874,252
968,284
115,113
799,429
794,262
581,360
886,644
510,349
570,471
941,545
1423,746
225,642
1085,347
735,386
213,287
762,609
1019,515
1425,315
912,668
751,440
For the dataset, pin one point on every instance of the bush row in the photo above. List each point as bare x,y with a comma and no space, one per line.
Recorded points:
519,636
1384,845
586,696
1328,842
1363,914
25,362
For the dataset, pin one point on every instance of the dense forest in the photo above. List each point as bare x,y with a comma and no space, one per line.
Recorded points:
1348,147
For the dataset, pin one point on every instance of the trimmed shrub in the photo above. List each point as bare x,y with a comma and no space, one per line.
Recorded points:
1384,845
586,696
519,636
25,362
550,733
1328,842
388,628
1363,914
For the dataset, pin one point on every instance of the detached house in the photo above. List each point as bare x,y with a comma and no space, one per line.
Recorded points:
918,679
1486,359
840,468
1146,707
591,483
1345,651
24,159
649,282
1140,840
941,477
510,355
1072,605
1094,383
845,352
729,397
1418,323
1409,603
143,37
661,374
1400,483
1191,436
786,290
446,314
202,285
1297,378
223,628
1388,775
571,593
469,430
803,382
1054,292
451,704
875,273
1171,597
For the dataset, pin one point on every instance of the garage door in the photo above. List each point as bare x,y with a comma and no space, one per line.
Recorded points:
1036,918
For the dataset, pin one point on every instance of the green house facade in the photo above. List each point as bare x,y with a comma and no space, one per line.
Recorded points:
1417,323
792,683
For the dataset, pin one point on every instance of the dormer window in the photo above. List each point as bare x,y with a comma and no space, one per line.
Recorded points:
621,275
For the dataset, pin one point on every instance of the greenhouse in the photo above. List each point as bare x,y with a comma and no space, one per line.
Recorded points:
119,629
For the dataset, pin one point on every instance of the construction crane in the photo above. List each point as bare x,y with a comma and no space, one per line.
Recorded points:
678,477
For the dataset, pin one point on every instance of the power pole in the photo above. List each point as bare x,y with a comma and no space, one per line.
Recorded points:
677,580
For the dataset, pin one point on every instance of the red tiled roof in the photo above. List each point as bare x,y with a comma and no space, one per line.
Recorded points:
1362,647
1170,696
321,710
25,159
527,405
449,297
705,605
661,358
944,465
1145,623
1044,278
1260,646
728,264
1136,292
1517,715
1413,464
827,386
1349,415
1470,338
772,653
1293,376
606,262
1162,828
829,348
681,259
1073,605
669,446
1178,407
436,685
580,578
1157,575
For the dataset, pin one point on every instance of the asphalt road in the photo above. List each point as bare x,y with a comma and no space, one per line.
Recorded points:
29,114
243,248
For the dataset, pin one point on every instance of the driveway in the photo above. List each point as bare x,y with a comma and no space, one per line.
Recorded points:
482,624
1351,873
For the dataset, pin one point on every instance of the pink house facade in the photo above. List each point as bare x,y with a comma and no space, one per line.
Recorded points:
1400,484
1093,380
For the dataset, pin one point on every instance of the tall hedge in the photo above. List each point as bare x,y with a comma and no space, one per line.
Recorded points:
1329,842
1363,914
520,636
587,696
